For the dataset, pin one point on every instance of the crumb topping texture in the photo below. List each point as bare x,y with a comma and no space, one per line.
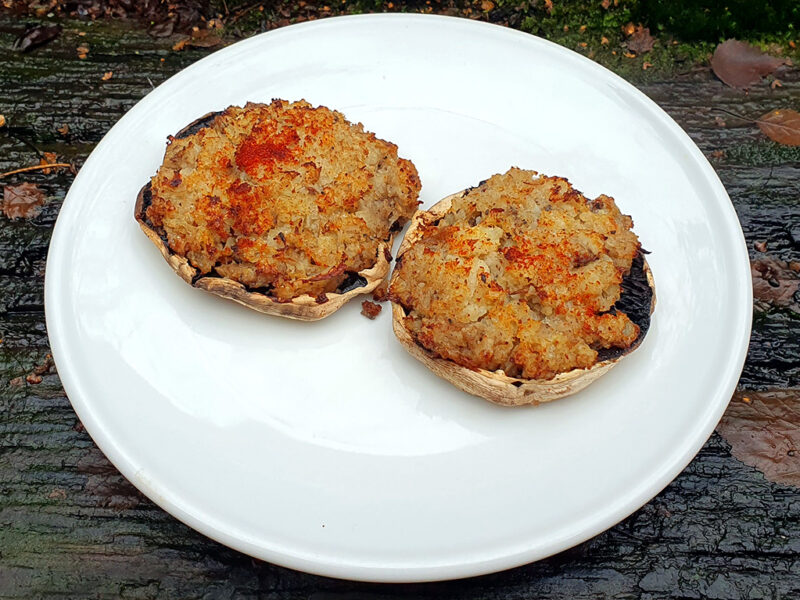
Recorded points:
520,275
284,198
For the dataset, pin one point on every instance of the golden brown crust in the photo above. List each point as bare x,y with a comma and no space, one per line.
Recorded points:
288,209
302,308
495,386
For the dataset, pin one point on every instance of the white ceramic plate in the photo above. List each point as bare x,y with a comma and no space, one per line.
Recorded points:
324,446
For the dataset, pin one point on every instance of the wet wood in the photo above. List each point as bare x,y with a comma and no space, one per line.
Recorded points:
71,526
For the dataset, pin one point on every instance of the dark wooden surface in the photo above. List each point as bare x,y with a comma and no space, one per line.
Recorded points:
72,527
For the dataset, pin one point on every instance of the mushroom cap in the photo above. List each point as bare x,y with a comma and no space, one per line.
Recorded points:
496,386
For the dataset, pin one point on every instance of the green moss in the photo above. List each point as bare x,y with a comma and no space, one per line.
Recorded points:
762,153
715,20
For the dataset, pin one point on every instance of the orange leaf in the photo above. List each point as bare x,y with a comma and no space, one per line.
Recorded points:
48,158
782,126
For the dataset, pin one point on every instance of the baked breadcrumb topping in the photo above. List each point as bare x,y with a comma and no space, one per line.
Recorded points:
519,275
283,197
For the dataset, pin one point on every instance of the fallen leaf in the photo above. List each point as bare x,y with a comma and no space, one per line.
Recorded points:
487,5
774,283
2,121
180,44
630,55
107,75
63,130
199,39
45,367
640,40
776,83
36,36
604,41
548,4
57,493
83,51
162,29
628,29
760,246
204,39
22,200
16,382
48,158
782,126
605,4
33,379
763,429
717,153
646,65
740,65
720,121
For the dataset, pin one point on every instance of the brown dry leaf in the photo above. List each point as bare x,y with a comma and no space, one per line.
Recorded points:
83,51
48,158
2,121
763,429
776,83
604,41
548,4
107,75
760,246
782,126
205,41
36,36
646,65
640,40
774,283
22,201
200,38
162,29
180,44
740,65
605,4
487,5
63,130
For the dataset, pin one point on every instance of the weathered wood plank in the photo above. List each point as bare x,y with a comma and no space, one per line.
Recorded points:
71,526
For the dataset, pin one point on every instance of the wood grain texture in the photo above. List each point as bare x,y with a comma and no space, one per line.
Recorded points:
72,527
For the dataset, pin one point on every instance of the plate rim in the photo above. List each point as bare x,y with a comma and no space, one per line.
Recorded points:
322,565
